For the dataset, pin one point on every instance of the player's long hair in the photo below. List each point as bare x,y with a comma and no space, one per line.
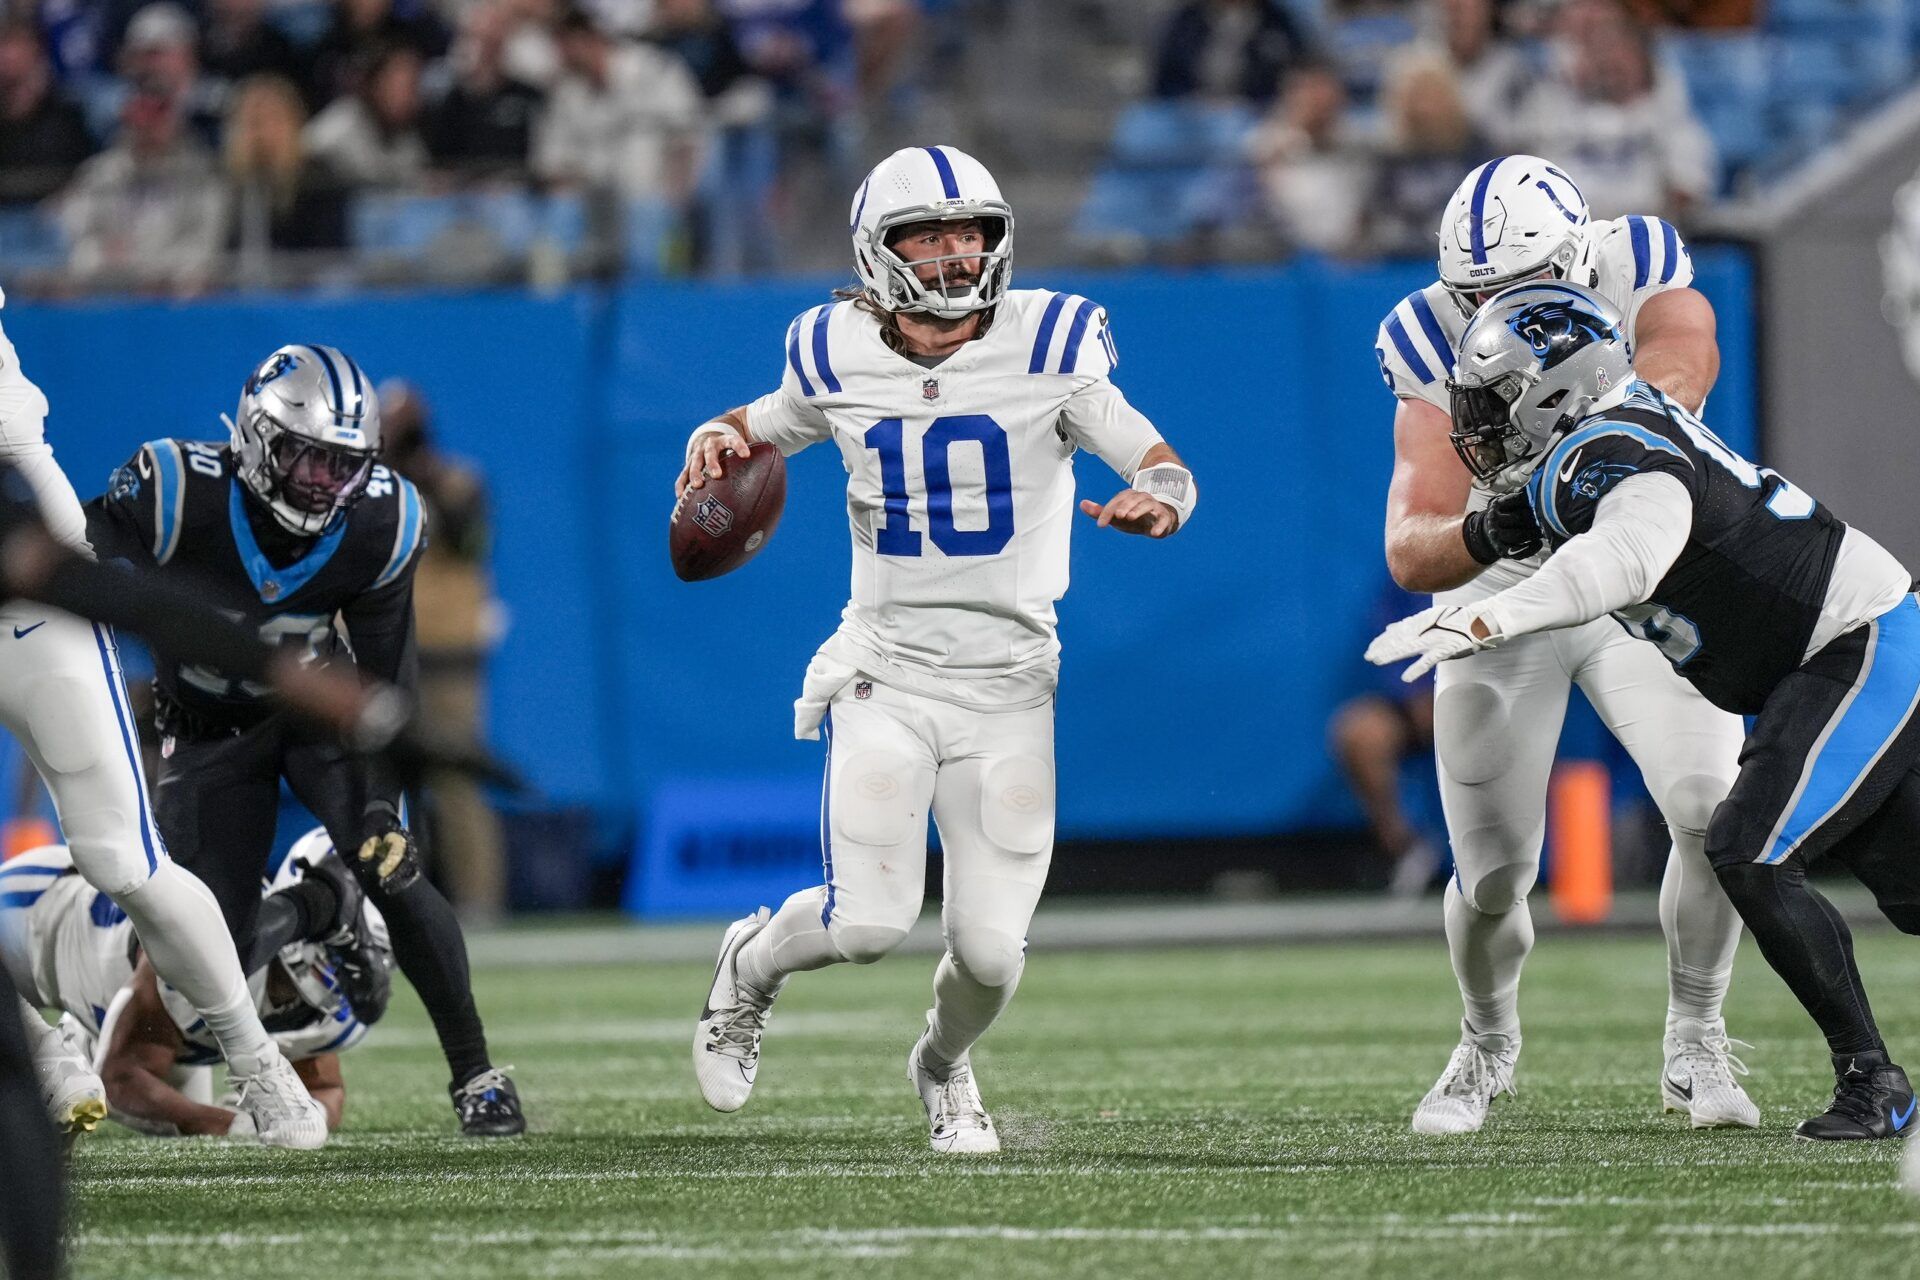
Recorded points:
890,322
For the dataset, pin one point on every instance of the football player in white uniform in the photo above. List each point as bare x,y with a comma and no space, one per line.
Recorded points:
957,405
67,947
1497,715
62,696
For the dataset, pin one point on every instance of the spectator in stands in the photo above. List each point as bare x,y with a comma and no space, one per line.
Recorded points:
1430,142
372,138
702,39
624,118
804,47
1617,118
161,54
283,198
1227,49
358,32
1313,174
43,133
1490,74
883,32
457,625
237,41
150,211
483,124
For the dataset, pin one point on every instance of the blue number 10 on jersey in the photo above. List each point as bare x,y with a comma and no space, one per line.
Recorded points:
896,535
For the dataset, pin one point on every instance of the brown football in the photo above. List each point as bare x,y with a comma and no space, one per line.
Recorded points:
724,523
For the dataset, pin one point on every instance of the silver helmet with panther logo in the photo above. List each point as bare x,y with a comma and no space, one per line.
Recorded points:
305,435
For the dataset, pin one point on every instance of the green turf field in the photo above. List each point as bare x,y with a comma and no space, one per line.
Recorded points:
1166,1113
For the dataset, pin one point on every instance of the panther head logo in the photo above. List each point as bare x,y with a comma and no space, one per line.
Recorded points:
278,364
1556,330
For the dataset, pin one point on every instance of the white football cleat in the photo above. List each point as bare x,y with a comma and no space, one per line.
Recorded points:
72,1090
726,1043
284,1114
957,1121
1480,1070
1698,1077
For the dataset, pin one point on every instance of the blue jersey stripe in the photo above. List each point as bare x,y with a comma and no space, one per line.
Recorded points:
1642,251
412,518
17,868
1430,325
820,362
1076,333
167,494
1404,345
22,899
793,356
103,639
1479,231
1550,466
1670,247
948,183
826,822
1044,339
1872,715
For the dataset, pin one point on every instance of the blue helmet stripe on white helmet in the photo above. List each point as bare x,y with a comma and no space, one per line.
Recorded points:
1480,209
933,184
859,204
944,167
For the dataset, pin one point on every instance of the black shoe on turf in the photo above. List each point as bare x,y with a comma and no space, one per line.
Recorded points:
1871,1099
489,1106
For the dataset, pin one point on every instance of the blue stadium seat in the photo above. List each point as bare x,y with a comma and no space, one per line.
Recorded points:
30,240
1727,77
1167,159
407,226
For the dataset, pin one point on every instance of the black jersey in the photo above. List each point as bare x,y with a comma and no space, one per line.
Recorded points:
1737,610
178,508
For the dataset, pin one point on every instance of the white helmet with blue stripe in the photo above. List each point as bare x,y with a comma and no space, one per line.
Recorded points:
305,435
310,969
931,184
1513,219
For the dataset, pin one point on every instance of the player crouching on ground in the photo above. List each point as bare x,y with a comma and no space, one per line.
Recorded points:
67,947
1757,595
957,405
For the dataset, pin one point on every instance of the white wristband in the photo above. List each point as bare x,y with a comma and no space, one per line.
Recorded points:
713,428
1173,484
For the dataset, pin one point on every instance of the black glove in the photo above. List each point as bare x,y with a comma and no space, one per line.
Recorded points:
388,856
1506,530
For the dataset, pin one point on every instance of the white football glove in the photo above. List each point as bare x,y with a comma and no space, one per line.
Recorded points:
1433,636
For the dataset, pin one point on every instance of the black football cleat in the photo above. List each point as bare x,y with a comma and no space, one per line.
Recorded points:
489,1106
1871,1099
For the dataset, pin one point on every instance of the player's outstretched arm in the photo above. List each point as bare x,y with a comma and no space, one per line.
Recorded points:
141,1044
725,436
1676,347
1159,503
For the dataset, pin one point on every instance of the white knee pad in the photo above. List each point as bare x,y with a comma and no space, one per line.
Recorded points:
1498,888
991,957
872,802
68,740
1017,804
864,943
1689,803
1471,734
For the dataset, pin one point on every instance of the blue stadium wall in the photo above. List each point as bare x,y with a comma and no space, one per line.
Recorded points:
1198,673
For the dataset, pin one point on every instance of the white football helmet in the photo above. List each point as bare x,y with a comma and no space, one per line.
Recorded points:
307,963
930,184
1513,219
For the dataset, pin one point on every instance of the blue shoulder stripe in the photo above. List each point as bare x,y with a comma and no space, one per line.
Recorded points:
406,539
1642,251
169,498
1670,247
1076,332
1430,325
821,364
1044,339
1585,435
793,356
1404,345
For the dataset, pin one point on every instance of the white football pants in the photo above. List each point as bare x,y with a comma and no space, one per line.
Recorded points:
987,779
1497,718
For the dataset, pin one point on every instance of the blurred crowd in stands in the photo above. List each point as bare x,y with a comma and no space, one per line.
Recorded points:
180,145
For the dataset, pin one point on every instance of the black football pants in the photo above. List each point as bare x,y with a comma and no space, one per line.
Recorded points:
217,805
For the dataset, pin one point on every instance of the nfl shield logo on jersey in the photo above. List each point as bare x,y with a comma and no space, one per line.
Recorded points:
930,388
864,689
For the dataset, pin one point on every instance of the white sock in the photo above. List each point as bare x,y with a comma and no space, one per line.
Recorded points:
180,926
1703,932
1488,952
963,1009
794,941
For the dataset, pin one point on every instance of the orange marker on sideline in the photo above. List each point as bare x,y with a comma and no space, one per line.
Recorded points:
1580,825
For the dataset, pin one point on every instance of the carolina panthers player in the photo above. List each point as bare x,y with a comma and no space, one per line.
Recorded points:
1758,595
1497,716
296,520
62,696
66,944
957,405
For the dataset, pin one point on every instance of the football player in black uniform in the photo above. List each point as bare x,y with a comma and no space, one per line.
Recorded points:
299,524
1756,593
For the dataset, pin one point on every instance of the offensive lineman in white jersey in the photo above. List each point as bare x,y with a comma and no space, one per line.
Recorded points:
1497,715
957,405
62,696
